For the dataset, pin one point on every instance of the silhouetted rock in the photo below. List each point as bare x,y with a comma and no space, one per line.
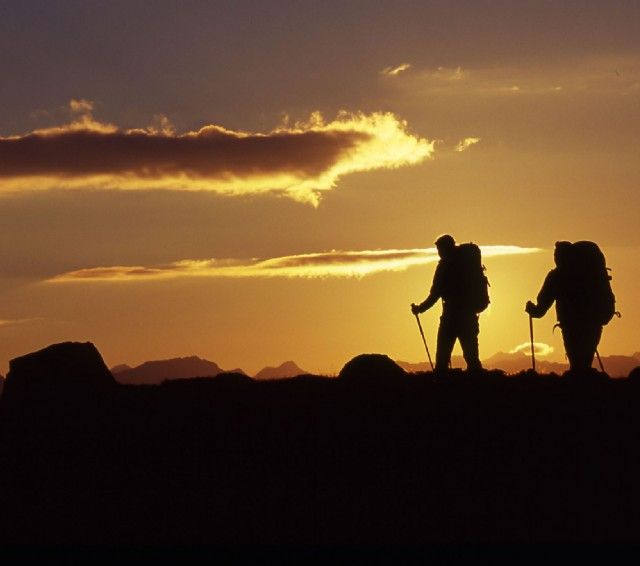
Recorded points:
634,374
155,372
370,369
59,369
1,384
287,369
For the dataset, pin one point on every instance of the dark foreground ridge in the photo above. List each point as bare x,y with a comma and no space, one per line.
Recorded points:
397,459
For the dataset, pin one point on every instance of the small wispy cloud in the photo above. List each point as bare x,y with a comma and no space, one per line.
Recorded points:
447,74
466,143
13,322
81,106
394,71
540,349
300,160
309,266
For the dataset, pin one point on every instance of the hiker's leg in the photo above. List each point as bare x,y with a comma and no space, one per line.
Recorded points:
573,337
568,338
592,335
469,328
446,340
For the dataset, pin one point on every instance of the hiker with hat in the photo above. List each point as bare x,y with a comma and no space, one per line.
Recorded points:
460,282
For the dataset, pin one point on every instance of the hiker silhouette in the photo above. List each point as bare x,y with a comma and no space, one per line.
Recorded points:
580,286
460,282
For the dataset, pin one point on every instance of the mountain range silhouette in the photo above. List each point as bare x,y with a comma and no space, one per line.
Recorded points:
286,369
157,371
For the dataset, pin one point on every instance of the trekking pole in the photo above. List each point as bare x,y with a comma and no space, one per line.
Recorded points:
533,351
600,362
424,341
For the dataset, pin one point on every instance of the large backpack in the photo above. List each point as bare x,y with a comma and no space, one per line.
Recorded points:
589,283
472,286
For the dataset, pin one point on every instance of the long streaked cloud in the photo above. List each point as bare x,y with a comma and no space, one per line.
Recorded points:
540,349
312,265
484,82
610,75
300,160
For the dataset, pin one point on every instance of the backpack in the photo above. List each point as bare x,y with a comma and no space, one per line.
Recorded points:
472,286
589,283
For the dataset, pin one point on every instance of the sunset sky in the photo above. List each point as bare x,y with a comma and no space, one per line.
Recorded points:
253,182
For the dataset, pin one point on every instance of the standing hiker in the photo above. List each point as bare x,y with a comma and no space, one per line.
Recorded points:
460,282
580,286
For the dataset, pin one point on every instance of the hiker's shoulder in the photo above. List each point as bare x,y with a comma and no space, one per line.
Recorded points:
554,277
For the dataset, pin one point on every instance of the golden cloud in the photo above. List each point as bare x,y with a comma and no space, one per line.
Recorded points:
299,161
310,266
539,348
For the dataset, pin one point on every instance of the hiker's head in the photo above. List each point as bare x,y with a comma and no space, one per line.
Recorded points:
561,252
446,246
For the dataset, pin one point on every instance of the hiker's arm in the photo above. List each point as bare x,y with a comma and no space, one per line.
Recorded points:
434,294
546,296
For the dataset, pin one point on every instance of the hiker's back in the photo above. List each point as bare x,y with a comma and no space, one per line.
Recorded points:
586,288
469,283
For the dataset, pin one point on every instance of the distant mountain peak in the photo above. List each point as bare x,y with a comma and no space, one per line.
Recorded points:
286,369
157,371
236,370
